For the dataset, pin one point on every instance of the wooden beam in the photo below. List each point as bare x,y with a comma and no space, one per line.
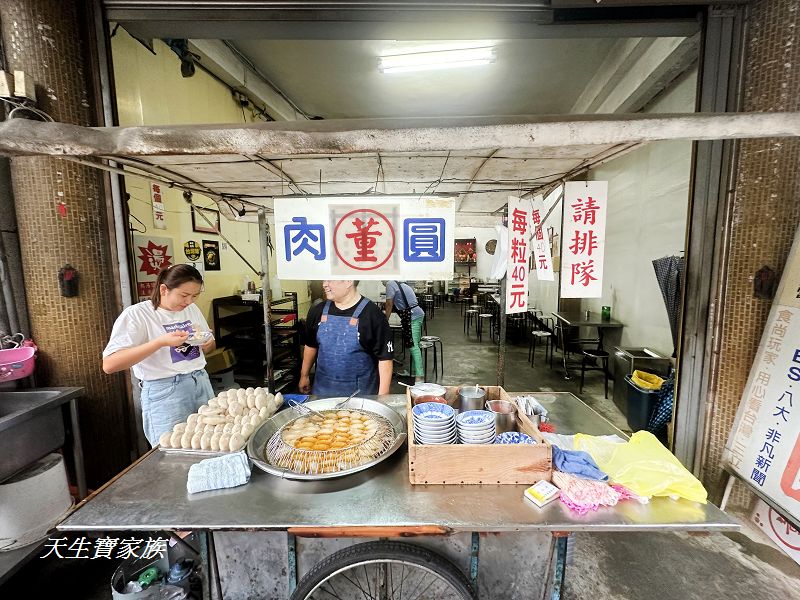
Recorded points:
21,137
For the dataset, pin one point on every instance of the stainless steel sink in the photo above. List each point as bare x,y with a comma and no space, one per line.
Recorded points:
31,425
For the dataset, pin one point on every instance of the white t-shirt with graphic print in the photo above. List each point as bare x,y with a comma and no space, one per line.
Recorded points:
139,324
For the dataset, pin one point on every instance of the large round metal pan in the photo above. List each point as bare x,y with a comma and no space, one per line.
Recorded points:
259,439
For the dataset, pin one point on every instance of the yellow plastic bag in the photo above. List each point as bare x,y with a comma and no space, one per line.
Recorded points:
643,466
647,381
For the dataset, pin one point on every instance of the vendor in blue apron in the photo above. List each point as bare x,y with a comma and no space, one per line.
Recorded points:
348,337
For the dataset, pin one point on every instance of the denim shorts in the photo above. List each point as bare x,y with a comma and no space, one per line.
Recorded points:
167,402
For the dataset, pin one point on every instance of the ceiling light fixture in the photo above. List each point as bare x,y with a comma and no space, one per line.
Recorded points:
437,59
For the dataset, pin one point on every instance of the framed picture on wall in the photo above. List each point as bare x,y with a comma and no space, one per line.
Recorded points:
200,225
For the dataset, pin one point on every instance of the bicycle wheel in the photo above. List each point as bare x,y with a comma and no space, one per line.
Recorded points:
384,571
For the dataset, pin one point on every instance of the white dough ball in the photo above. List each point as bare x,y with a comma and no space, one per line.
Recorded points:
186,439
227,428
236,442
224,441
251,401
195,443
222,402
250,390
215,441
179,428
175,439
165,439
205,441
265,413
260,402
247,430
235,409
192,419
213,403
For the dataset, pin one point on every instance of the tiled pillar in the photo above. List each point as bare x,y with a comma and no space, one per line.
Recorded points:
62,219
765,214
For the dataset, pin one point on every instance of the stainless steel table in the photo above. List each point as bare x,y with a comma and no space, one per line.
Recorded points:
151,495
581,319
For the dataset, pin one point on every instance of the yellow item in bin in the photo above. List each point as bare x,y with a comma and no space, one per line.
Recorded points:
647,381
643,466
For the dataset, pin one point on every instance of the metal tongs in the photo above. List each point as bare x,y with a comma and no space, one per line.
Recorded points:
301,409
341,403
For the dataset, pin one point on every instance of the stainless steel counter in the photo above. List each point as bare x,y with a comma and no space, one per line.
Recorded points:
152,496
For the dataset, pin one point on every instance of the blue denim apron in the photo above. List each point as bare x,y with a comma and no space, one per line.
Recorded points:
342,364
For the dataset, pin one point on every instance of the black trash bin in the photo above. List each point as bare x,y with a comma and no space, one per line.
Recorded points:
641,404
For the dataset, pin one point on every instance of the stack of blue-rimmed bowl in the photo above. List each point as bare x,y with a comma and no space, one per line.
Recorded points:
476,427
434,423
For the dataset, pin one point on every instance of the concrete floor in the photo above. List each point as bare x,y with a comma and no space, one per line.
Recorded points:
607,566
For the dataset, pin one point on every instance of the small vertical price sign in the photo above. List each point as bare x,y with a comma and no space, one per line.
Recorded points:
159,212
519,222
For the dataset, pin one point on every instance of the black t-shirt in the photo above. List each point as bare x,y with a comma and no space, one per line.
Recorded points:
373,328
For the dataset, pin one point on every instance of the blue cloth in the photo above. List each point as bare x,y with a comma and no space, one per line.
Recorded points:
394,293
578,463
168,401
343,366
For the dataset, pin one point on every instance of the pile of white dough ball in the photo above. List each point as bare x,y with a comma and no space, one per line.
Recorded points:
225,423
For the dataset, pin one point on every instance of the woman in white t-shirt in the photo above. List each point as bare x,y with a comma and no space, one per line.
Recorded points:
154,339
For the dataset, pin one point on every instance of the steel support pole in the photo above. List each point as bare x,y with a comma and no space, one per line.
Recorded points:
501,350
266,294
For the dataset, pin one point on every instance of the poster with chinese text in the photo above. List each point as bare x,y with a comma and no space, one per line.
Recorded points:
764,444
542,260
584,239
152,255
519,233
376,237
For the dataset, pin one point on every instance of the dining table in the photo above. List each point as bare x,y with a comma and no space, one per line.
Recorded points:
575,319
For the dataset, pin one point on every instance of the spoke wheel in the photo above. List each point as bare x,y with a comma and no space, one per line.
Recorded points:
384,571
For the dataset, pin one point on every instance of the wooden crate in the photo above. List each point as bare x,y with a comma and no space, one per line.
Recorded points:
479,464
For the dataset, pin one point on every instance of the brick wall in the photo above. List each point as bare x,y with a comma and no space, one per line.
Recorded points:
43,38
764,216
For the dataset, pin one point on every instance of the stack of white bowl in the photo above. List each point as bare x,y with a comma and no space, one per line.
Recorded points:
476,427
434,423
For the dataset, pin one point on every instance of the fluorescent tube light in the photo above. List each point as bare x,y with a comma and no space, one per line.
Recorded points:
437,59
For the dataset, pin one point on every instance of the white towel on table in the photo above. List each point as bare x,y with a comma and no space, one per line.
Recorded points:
219,472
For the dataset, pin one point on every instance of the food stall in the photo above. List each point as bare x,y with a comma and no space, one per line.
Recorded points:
281,537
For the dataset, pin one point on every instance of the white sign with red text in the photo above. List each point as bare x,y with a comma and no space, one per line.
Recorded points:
519,233
159,212
764,444
542,259
584,239
365,237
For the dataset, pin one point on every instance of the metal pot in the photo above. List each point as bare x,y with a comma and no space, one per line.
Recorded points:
505,415
471,397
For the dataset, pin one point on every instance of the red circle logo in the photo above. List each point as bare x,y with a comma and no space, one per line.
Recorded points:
364,242
784,530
